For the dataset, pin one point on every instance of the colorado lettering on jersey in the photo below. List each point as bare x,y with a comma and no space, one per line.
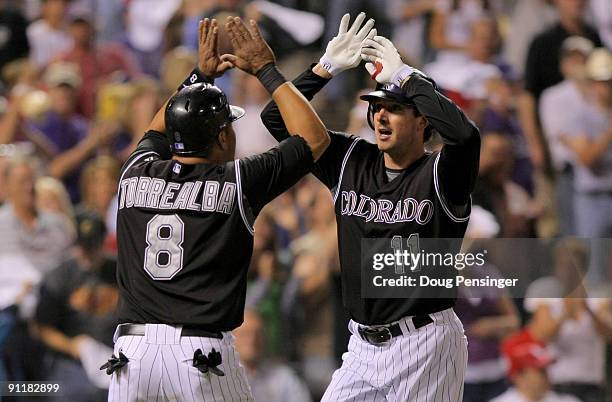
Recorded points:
381,210
148,192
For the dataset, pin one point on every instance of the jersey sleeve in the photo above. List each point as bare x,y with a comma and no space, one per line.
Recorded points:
330,166
152,145
309,84
456,167
263,177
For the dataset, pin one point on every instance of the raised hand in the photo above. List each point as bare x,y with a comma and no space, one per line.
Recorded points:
344,50
251,52
209,62
384,61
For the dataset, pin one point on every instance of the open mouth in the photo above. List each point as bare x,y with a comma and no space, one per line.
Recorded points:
384,133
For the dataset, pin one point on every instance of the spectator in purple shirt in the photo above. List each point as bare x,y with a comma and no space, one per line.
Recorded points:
73,140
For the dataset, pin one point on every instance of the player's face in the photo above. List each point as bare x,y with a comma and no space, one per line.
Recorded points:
396,126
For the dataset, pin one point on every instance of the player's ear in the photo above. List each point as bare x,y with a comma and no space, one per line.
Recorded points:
222,139
422,122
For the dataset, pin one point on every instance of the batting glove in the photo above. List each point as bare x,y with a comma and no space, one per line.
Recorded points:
384,62
344,50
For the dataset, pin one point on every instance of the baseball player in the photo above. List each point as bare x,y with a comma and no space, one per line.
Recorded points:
185,228
401,349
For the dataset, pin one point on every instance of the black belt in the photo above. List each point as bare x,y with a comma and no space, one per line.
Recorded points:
139,330
380,335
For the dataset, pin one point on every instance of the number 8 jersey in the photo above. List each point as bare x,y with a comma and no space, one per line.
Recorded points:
185,232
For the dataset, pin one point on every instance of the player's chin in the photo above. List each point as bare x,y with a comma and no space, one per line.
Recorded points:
383,144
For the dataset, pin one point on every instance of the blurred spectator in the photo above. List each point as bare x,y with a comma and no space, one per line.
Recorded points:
146,21
316,257
52,197
590,139
357,124
601,14
409,19
32,242
542,70
13,39
99,181
133,115
38,237
265,286
107,14
250,93
286,28
528,360
575,326
182,29
74,141
20,76
464,79
527,19
500,116
77,306
570,96
176,65
48,36
450,29
26,101
489,315
98,63
4,164
9,317
513,208
270,381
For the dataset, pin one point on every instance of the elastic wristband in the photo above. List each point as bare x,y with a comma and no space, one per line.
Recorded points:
195,77
401,74
328,66
270,77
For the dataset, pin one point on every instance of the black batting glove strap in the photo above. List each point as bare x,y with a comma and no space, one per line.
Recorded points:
270,77
208,363
195,77
114,363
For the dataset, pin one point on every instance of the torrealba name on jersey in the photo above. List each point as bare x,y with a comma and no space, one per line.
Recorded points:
382,210
147,192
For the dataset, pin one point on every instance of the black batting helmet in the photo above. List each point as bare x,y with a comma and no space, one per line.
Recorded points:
394,93
195,116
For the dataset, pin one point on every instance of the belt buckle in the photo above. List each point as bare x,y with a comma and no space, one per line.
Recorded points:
376,336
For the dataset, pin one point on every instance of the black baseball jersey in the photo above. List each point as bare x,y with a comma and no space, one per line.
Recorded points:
185,232
430,198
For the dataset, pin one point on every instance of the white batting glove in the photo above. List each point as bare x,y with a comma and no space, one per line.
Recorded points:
384,62
344,50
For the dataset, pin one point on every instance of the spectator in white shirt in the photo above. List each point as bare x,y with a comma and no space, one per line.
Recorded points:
590,140
573,325
49,36
568,96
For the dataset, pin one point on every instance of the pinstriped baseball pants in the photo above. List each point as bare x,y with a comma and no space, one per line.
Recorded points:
160,369
423,365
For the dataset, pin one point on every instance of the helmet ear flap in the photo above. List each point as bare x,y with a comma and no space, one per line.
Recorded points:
371,115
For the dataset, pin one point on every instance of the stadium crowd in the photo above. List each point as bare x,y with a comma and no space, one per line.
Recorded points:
82,79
